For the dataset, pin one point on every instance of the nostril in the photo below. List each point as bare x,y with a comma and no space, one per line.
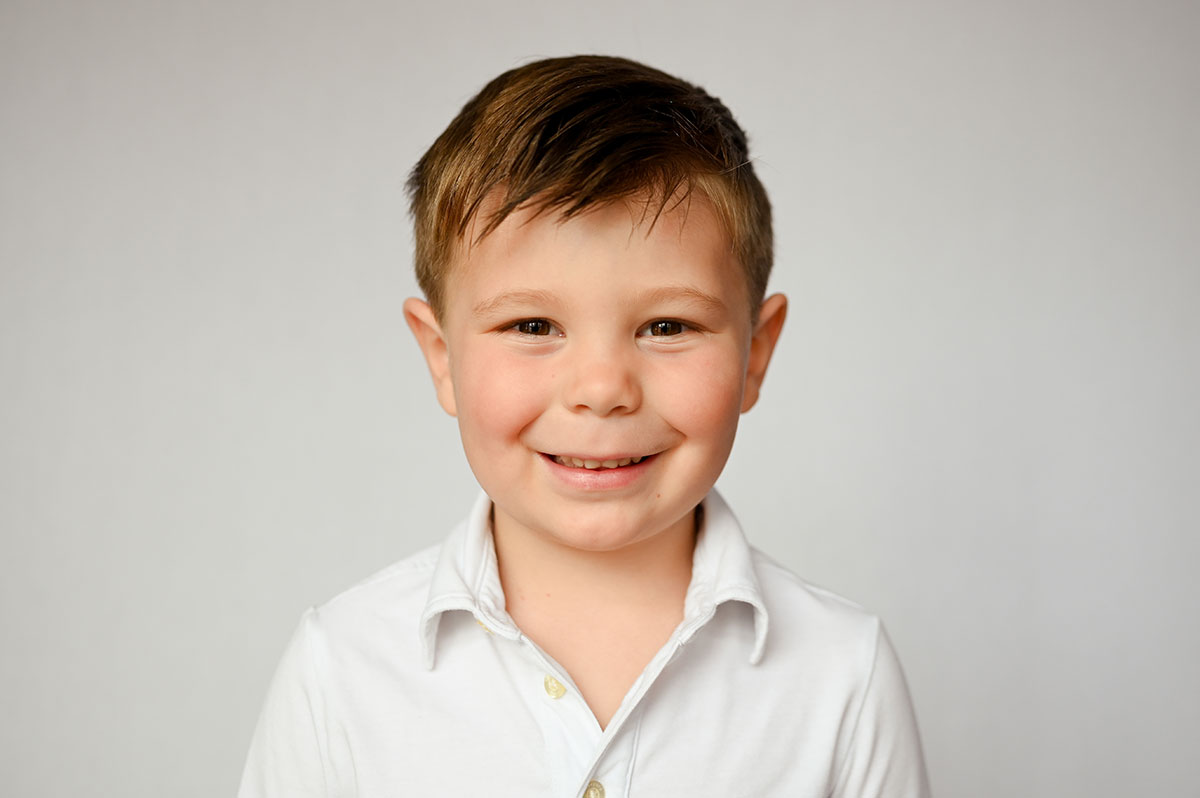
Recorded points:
602,386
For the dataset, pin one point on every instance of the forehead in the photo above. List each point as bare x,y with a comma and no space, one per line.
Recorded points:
683,242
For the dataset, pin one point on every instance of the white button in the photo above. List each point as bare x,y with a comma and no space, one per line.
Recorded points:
594,790
555,689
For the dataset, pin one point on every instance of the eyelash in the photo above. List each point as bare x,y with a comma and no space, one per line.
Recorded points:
518,325
677,327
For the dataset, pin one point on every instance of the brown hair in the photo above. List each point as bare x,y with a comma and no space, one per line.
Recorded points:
564,134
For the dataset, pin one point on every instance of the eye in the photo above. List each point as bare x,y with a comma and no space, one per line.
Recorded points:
664,327
533,327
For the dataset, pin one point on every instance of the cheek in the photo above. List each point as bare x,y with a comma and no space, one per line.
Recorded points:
704,397
497,396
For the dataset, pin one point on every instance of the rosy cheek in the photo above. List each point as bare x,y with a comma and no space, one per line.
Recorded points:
705,394
498,395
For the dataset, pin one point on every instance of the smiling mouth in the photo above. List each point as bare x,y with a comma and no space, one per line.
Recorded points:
596,465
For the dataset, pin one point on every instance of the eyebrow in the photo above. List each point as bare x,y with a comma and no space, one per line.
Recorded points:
686,293
516,297
665,294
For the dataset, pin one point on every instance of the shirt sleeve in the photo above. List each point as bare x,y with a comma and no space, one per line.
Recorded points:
288,753
884,759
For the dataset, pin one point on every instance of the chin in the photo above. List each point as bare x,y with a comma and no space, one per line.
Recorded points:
596,537
602,532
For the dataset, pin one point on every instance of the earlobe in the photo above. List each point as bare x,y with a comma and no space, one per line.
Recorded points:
428,332
762,343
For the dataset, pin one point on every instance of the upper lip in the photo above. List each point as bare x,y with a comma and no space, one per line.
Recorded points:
598,457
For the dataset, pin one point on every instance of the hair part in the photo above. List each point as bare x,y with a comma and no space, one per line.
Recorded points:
563,135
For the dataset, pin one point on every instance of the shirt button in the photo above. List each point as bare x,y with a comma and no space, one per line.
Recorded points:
555,689
594,790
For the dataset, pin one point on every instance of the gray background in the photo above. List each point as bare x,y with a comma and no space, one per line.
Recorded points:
981,422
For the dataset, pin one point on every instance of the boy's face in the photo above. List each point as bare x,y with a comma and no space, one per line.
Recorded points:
602,341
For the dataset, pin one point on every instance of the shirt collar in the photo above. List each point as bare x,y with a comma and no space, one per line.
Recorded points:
467,578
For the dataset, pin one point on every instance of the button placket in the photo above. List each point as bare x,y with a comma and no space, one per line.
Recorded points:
556,689
568,726
613,769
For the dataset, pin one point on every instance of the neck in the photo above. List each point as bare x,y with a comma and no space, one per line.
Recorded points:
539,571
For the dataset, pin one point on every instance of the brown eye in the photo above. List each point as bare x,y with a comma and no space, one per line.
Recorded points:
665,327
533,327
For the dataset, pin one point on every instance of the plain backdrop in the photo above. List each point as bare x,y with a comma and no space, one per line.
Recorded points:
982,421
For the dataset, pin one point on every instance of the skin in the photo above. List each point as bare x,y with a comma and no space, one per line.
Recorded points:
599,338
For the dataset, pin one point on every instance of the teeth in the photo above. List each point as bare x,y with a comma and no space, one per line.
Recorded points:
575,462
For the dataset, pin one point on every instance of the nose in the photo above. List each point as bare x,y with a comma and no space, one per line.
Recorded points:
603,380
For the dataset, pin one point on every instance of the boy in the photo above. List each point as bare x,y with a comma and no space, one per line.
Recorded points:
594,248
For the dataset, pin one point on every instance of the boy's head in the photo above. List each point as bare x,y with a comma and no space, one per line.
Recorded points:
594,247
567,134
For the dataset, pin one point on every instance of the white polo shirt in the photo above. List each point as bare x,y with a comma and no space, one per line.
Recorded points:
416,682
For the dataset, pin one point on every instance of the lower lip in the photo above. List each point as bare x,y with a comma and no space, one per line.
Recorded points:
598,479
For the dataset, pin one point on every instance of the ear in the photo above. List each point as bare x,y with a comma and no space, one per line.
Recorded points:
762,344
424,325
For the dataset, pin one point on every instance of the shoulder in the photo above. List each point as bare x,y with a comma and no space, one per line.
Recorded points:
399,580
780,583
386,605
832,642
805,617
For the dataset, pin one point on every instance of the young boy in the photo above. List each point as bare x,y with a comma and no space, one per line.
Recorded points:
594,248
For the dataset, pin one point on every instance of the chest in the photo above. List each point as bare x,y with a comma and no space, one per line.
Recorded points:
500,717
602,656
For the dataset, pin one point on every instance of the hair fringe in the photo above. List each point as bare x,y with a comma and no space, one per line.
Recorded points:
565,134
